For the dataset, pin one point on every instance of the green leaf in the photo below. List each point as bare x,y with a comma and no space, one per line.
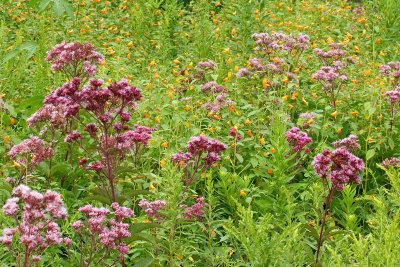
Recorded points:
138,227
102,199
43,5
135,193
370,154
144,262
239,157
391,143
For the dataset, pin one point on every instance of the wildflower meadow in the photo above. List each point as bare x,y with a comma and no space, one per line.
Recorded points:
199,133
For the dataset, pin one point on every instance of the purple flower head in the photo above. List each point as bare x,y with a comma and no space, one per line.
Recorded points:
36,227
47,113
196,211
212,87
75,135
350,143
33,149
105,226
297,139
394,96
245,72
233,133
206,65
80,59
341,167
395,162
95,166
151,208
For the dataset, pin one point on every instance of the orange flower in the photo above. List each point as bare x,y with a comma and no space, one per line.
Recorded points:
269,171
162,163
242,193
165,144
12,121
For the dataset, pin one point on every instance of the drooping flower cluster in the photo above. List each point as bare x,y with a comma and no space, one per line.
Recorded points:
30,152
152,208
395,162
202,154
36,227
108,231
196,211
75,59
340,166
298,140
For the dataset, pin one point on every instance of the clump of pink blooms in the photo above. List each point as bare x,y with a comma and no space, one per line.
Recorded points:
219,102
234,134
151,208
202,154
103,231
395,162
75,59
35,227
109,110
206,65
47,113
195,211
212,87
340,166
281,54
392,69
31,152
298,140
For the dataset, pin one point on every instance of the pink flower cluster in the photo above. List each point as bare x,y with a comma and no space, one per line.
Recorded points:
212,87
340,166
233,133
47,113
75,59
391,69
298,140
220,102
152,208
206,65
280,41
196,211
197,146
395,162
350,143
394,96
31,152
109,232
333,54
36,227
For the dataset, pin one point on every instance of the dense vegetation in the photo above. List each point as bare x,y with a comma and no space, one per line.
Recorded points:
199,133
